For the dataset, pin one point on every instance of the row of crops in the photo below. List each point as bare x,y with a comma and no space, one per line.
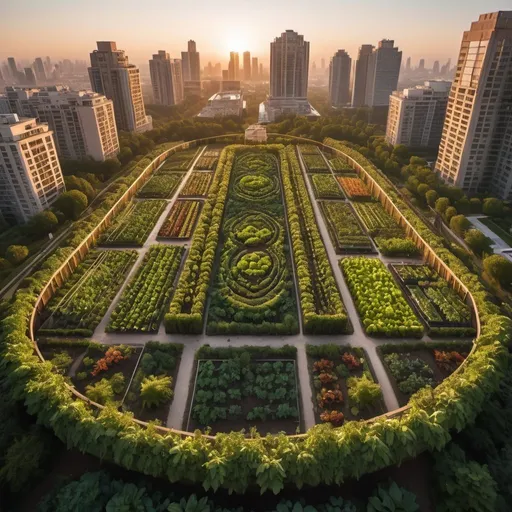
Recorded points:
253,291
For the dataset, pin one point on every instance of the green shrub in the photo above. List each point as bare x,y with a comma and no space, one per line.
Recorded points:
155,391
363,391
393,499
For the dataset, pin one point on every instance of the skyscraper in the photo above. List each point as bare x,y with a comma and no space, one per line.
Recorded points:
30,77
289,68
48,66
435,68
421,67
383,70
322,63
191,63
13,68
166,79
39,70
476,147
416,115
247,66
234,66
255,68
112,75
339,79
408,64
361,75
30,174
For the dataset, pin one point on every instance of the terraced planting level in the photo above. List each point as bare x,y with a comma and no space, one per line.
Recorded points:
134,225
344,229
253,290
142,304
378,299
82,301
181,220
354,188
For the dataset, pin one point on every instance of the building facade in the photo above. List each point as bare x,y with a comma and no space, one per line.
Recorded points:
113,76
30,173
416,115
339,79
255,69
360,75
191,63
476,146
166,79
234,66
83,122
247,66
289,68
383,71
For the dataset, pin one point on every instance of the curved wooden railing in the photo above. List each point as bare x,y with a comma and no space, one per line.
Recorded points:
81,251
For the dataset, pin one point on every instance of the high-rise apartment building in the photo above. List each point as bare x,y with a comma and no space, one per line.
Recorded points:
234,66
191,63
383,71
113,76
166,79
247,66
39,70
408,64
30,174
30,77
339,79
435,68
476,146
361,75
83,122
289,68
255,68
13,68
416,115
421,67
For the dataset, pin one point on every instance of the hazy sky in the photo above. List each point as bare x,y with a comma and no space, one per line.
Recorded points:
68,29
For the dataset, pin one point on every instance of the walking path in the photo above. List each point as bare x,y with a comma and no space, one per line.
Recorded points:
359,338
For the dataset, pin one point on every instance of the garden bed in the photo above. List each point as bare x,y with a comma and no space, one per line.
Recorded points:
325,187
197,185
344,228
101,368
432,297
142,304
152,390
61,352
378,299
354,188
342,382
84,298
161,186
181,220
134,225
180,160
340,167
315,163
412,366
244,388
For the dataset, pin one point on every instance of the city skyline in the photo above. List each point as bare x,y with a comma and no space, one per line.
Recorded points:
412,30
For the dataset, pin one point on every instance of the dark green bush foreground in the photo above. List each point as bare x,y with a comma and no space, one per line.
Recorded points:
99,491
324,455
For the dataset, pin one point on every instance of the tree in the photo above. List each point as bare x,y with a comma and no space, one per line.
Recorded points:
442,204
416,160
72,204
450,213
478,242
154,390
15,254
463,205
363,391
431,197
76,183
475,205
42,223
499,268
492,207
423,188
459,224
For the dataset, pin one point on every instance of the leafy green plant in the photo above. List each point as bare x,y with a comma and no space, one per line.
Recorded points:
393,499
155,391
363,391
62,361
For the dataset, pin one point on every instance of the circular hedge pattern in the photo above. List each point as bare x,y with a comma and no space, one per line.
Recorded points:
254,187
